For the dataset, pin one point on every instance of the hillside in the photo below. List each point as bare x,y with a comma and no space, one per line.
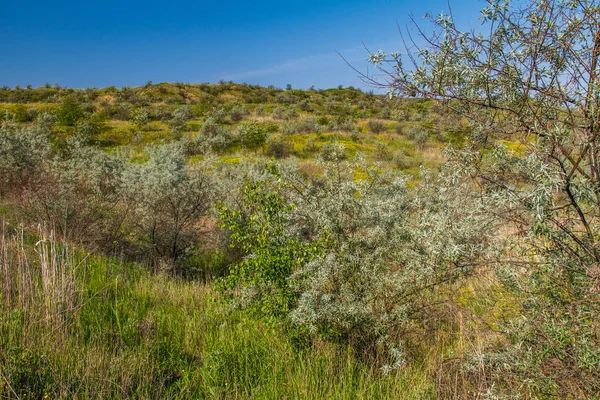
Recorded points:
162,196
402,135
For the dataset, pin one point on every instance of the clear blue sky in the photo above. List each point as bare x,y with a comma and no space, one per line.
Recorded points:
97,44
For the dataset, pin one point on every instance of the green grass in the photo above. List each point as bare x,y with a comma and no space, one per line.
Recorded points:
127,333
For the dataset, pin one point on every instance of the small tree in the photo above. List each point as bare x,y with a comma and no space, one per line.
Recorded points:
70,111
91,126
530,88
252,135
139,119
259,227
169,201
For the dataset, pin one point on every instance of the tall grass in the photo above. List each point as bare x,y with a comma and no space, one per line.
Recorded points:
74,325
37,278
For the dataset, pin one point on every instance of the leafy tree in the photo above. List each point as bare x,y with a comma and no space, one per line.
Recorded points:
23,152
259,226
70,111
530,87
139,118
169,201
90,126
252,135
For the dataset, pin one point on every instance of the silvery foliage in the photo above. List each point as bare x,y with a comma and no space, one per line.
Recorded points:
182,115
343,125
169,201
304,125
388,250
90,126
139,118
333,152
78,194
23,152
73,192
530,88
212,138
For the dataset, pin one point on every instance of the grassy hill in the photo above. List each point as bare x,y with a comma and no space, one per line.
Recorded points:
402,135
170,240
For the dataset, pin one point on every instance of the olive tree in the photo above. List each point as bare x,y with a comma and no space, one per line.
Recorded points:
77,193
529,84
169,201
23,153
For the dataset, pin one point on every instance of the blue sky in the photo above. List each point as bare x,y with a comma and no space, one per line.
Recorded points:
98,44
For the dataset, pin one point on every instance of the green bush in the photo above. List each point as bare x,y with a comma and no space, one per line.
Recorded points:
252,135
91,126
259,228
70,111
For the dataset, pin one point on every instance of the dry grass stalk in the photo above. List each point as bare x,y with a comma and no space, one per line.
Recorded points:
39,277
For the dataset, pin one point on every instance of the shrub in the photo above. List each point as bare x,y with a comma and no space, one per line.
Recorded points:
387,255
237,113
310,146
305,125
342,124
77,194
305,106
259,110
385,113
284,113
168,201
20,113
70,111
417,134
278,147
260,282
402,159
323,120
211,138
139,118
46,121
382,152
182,115
252,135
23,153
375,126
333,152
120,111
91,126
218,114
